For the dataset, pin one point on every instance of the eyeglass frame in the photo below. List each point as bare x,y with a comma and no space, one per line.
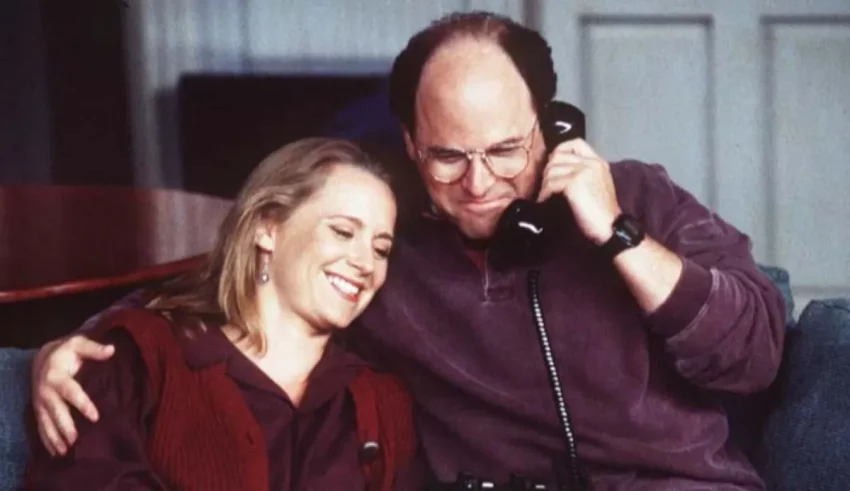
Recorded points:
469,155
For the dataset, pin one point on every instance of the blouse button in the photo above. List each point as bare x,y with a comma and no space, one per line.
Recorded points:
369,452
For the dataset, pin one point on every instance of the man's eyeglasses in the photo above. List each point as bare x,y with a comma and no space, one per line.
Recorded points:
448,165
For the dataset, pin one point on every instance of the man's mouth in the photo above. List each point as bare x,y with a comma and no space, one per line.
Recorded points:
486,206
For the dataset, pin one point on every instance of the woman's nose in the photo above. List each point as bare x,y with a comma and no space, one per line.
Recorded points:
362,258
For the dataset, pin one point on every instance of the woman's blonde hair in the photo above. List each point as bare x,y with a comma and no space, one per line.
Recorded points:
225,288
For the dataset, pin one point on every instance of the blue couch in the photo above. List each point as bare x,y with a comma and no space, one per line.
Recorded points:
801,445
15,387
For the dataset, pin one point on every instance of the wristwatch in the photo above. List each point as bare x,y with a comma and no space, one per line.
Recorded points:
628,233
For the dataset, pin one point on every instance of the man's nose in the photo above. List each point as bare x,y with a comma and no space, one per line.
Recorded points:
478,178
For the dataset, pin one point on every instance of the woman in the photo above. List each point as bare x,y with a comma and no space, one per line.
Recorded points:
232,378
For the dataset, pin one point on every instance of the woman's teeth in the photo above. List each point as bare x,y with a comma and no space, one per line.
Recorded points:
342,285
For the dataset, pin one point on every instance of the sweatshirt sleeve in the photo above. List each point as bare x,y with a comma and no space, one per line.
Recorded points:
724,322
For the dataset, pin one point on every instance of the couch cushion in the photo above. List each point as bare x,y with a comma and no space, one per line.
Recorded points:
15,383
781,279
807,434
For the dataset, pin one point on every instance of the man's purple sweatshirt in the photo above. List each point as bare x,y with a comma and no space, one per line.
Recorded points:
637,385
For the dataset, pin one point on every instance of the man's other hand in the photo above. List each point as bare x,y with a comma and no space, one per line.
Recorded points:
54,389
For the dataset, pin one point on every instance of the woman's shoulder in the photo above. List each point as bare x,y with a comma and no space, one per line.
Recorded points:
129,318
149,330
120,380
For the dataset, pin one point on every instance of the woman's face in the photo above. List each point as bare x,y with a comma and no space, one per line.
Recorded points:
330,257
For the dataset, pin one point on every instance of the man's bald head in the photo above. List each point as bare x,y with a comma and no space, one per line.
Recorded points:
460,83
529,53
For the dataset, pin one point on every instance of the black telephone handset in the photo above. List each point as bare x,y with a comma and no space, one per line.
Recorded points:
525,231
527,227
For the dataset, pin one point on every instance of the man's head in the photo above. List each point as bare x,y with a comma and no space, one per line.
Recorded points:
469,83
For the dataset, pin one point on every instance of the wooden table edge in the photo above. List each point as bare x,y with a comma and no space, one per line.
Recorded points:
159,271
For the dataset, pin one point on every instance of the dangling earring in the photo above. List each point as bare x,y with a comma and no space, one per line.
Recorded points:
263,277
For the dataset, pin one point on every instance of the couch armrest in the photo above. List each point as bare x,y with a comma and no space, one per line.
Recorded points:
806,438
782,280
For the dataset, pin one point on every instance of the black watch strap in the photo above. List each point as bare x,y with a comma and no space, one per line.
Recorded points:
628,233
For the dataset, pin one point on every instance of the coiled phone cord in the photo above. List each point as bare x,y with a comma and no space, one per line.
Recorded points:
578,481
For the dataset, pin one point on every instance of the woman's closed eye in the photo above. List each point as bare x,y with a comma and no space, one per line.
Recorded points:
342,232
382,252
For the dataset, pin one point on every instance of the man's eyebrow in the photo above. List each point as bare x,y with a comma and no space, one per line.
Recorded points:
508,141
439,148
513,140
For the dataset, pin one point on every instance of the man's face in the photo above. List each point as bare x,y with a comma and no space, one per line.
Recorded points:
471,97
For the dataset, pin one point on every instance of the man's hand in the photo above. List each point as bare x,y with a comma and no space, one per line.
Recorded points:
584,178
54,388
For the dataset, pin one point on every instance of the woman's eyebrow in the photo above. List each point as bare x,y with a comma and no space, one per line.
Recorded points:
359,223
349,218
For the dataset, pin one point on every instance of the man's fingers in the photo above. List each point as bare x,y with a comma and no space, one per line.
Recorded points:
60,415
71,391
555,179
48,433
553,185
580,147
88,349
562,165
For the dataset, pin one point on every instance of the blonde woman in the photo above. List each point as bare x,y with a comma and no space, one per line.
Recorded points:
233,378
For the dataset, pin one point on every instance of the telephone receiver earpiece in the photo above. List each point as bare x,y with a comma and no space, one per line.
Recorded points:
561,122
526,226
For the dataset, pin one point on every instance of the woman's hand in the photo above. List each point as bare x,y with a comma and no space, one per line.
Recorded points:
54,389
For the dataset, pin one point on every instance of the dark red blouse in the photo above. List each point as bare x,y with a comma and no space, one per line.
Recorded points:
311,447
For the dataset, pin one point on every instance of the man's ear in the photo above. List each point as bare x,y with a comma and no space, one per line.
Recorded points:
264,236
409,146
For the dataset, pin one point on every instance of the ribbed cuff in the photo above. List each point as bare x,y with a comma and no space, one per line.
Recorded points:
684,303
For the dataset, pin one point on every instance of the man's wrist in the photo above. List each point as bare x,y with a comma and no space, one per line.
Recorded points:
626,233
602,228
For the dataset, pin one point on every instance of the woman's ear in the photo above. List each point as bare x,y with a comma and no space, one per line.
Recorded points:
264,236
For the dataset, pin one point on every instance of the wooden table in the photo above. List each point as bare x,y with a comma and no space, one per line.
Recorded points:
67,252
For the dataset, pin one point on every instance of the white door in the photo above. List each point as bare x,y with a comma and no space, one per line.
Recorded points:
746,103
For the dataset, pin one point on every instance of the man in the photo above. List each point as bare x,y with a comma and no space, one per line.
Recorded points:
652,301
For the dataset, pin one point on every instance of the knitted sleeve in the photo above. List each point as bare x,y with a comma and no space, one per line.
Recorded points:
109,454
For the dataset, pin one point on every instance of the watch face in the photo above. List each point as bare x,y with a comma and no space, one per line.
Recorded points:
627,234
624,237
629,231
